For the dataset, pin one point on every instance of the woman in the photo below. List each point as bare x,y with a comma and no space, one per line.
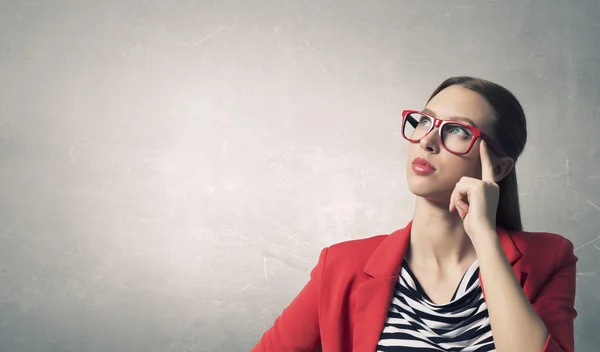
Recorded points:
462,275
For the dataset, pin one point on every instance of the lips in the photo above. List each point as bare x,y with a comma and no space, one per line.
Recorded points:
422,167
423,162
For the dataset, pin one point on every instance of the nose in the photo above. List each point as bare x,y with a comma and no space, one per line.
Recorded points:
430,141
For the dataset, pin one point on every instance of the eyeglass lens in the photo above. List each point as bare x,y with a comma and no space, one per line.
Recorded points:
455,137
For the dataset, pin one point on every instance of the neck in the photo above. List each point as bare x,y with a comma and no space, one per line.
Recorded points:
437,237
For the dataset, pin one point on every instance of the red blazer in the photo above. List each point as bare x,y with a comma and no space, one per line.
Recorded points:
344,306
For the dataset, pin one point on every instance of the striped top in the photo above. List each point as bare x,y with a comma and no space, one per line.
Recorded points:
415,323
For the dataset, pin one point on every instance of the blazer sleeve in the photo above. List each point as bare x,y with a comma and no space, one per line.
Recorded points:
297,328
555,304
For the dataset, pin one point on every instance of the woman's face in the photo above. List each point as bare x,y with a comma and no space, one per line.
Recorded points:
452,103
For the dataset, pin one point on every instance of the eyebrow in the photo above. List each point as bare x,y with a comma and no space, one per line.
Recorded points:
459,118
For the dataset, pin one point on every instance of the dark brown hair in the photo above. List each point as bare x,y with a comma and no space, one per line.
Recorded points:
510,131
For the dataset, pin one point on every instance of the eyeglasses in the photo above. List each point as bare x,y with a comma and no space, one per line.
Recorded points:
455,136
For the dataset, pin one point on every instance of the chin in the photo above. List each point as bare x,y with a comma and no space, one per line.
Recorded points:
428,188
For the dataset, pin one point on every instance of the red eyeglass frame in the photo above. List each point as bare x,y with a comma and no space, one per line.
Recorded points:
477,133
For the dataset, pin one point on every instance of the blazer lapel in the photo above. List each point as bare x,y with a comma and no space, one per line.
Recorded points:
373,297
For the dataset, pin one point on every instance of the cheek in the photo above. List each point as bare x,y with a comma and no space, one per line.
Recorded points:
412,151
455,167
470,166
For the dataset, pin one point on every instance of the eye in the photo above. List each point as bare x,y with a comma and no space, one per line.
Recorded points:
424,121
460,131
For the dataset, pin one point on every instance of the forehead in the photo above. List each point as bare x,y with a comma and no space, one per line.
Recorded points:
457,102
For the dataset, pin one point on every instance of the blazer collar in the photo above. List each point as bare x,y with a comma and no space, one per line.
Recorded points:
387,259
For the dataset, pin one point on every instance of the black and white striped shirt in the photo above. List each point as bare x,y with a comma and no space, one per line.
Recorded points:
414,323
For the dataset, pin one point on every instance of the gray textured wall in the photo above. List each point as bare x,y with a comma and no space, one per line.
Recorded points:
169,170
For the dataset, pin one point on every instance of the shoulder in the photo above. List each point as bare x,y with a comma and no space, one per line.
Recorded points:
357,247
352,255
527,239
553,247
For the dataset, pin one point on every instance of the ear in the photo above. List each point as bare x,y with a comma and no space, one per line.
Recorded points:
502,167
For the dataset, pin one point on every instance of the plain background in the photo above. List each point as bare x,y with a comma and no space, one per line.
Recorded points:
170,170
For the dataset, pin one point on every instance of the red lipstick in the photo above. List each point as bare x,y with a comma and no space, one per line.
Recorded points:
422,167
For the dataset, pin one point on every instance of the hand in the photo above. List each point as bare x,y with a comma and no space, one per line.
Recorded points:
477,200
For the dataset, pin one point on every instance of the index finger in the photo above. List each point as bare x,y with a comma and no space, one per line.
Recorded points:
487,169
